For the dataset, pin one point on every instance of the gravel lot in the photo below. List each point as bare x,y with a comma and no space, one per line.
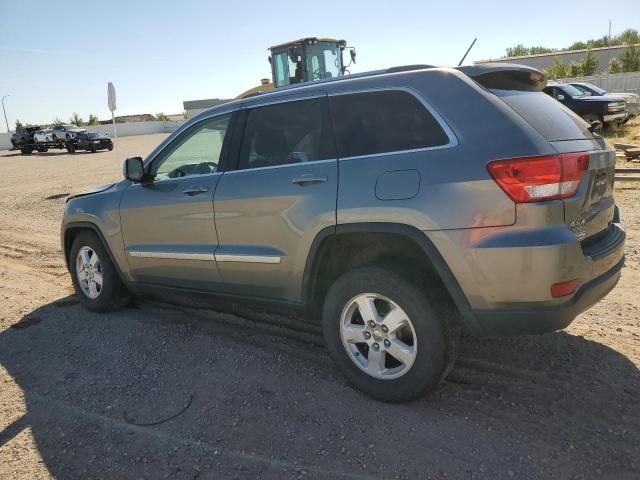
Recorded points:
252,397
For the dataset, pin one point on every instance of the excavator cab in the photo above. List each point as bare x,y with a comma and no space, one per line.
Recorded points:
308,59
304,60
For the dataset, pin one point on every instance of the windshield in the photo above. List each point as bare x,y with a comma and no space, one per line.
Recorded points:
323,60
571,91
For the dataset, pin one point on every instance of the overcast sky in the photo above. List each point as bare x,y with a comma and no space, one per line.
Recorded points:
160,53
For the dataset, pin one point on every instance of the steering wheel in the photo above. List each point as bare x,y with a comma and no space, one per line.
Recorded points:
193,169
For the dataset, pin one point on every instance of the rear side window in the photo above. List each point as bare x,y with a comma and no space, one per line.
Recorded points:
380,122
546,114
285,133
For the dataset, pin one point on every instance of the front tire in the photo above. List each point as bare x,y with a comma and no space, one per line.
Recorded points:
95,278
592,117
386,336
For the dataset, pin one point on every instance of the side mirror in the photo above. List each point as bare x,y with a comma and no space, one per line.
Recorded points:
560,98
133,169
353,55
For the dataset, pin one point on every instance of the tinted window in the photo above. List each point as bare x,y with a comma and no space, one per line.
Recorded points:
548,116
379,122
196,152
285,133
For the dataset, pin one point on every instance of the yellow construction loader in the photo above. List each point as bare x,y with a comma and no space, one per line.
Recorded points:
304,60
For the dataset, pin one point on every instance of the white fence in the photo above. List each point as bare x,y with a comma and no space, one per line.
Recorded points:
612,82
124,130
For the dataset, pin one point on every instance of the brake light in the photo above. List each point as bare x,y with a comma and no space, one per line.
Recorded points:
537,179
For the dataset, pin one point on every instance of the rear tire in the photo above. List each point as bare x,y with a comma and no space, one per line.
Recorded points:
427,338
89,262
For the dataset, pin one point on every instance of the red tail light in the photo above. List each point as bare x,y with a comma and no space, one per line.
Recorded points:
564,288
537,179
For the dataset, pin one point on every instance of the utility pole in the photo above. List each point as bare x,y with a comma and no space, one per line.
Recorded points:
609,38
5,113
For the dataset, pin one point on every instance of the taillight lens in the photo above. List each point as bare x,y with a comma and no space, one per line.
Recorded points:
536,179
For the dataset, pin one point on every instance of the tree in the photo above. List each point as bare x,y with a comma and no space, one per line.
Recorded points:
517,51
614,66
162,116
185,115
93,120
630,59
76,119
589,64
577,46
629,36
557,70
574,70
57,121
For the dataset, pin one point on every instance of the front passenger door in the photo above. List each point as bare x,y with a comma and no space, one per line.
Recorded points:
167,220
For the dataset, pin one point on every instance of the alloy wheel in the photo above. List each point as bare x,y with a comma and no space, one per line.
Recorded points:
89,272
378,336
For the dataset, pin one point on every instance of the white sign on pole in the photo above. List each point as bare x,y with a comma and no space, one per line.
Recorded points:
111,99
111,94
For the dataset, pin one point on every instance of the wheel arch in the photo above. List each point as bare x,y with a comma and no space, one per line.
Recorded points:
403,240
73,229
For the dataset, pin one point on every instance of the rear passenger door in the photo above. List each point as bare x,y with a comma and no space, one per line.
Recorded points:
280,195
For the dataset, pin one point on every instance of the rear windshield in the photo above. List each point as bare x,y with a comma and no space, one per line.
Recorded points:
548,116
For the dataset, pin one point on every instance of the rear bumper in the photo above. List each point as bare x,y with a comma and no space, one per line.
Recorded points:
535,320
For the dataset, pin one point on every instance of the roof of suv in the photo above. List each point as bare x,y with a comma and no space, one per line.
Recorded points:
490,75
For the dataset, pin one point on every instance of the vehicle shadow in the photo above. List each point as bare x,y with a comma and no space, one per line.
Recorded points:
155,391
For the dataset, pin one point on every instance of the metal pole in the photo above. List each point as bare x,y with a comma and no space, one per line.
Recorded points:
5,113
115,135
609,38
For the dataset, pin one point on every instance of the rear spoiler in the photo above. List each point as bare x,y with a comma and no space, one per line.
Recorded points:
506,76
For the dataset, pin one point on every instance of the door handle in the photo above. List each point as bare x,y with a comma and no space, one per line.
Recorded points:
195,190
308,179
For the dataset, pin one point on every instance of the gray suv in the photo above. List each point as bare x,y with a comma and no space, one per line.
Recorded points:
401,207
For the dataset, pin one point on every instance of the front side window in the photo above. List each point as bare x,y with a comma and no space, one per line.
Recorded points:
385,121
323,61
197,152
285,133
281,72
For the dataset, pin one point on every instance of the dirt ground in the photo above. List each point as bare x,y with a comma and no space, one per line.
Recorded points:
259,399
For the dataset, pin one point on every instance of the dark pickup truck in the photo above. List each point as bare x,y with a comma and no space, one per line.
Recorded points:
23,136
90,141
604,109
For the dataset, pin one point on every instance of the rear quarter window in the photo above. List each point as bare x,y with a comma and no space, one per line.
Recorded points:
368,123
546,115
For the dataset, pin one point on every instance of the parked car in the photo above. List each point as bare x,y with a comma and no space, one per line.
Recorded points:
632,100
604,109
43,136
397,208
90,141
23,136
65,132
